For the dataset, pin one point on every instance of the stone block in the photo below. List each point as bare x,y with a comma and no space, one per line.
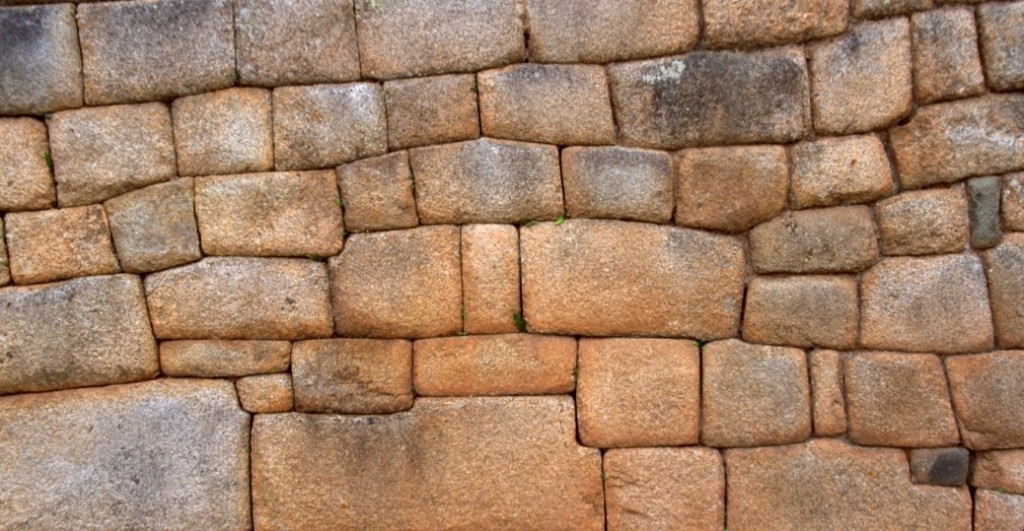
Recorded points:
839,171
1006,289
352,376
1003,470
888,8
5,264
376,193
432,110
987,390
1012,202
265,393
228,131
51,245
983,211
829,403
802,311
155,228
826,240
919,222
1002,44
40,62
618,183
940,466
25,181
744,23
996,511
946,60
490,279
223,359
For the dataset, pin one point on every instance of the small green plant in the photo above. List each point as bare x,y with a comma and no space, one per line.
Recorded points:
339,202
473,88
699,343
48,159
47,116
999,490
528,223
315,257
461,333
519,320
561,219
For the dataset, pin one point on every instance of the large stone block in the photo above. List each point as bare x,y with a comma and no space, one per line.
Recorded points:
1006,289
827,240
987,392
490,279
352,376
918,222
946,60
1002,44
376,193
40,62
25,181
51,245
802,311
745,23
155,228
618,183
223,359
227,131
432,110
839,171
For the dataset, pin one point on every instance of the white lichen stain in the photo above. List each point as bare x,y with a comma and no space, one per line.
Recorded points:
671,72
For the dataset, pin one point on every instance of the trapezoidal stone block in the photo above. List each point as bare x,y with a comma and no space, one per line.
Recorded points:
919,222
825,240
987,390
223,359
839,171
25,180
352,376
51,245
1005,268
946,60
490,279
228,131
740,23
802,311
265,393
1002,44
432,110
155,228
377,193
617,183
40,62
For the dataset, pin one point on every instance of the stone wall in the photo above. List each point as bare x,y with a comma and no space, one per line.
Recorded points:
512,264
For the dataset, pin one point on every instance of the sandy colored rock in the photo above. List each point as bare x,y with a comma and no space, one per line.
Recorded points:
155,228
398,284
223,359
946,60
638,392
932,221
352,376
987,390
158,455
829,484
1012,202
270,214
25,181
731,188
615,278
1002,44
983,211
507,364
995,511
1006,289
829,404
490,278
826,240
731,23
886,8
377,194
466,463
802,311
939,466
265,393
228,131
840,171
318,126
432,110
40,63
51,245
664,488
618,183
999,470
487,181
934,304
707,98
240,298
82,332
5,263
295,42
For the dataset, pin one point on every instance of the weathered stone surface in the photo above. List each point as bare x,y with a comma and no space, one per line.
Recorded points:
614,278
25,182
326,125
508,364
1002,44
829,484
57,244
40,63
829,405
1006,289
155,228
946,61
995,511
664,488
935,304
840,171
862,80
398,284
939,466
294,42
155,50
87,331
999,470
466,463
265,393
353,376
638,392
432,110
949,141
270,214
228,131
886,8
731,188
932,221
802,311
420,37
707,98
240,298
101,152
160,455
487,181
729,23
490,278
223,359
983,211
987,391
827,240
1012,207
754,395
376,193
618,183
5,264
553,104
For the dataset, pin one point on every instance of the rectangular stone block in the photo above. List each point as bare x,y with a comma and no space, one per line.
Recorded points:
40,62
826,240
377,193
802,311
828,402
987,391
996,511
919,222
940,466
155,228
983,211
5,263
51,245
227,131
946,60
999,470
618,183
888,8
1005,269
25,181
1002,44
265,393
1012,202
352,376
745,23
839,171
432,110
490,279
223,359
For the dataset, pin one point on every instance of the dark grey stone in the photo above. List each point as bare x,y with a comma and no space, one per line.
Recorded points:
940,466
40,64
983,211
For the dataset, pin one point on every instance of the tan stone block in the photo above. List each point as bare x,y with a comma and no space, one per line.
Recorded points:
25,181
730,23
352,376
1012,202
829,404
265,393
377,194
987,391
51,245
40,60
228,131
826,240
155,228
840,171
802,311
490,279
1002,44
995,511
432,110
932,221
940,466
1005,268
617,183
223,359
946,60
1002,470
5,263
887,8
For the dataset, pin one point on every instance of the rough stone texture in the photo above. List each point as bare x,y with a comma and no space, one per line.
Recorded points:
898,400
487,181
228,131
829,405
604,31
840,171
999,470
270,214
101,152
1002,44
420,37
946,61
983,211
5,264
829,484
398,284
933,304
886,8
614,278
155,50
265,393
159,455
707,98
932,221
827,240
995,511
509,364
25,181
490,278
731,188
87,331
987,392
729,23
240,298
1013,202
155,228
57,244
353,376
463,463
432,110
638,392
1006,289
295,42
325,125
377,194
862,80
664,488
949,141
939,466
617,183
754,395
553,104
802,311
40,63
223,359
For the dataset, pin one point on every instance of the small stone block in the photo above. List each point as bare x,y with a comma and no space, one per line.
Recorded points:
617,183
51,245
1002,470
490,278
940,466
1005,268
987,391
983,211
802,311
223,359
432,110
265,393
920,222
5,264
1012,207
745,23
352,376
228,131
155,228
996,511
887,8
840,171
946,61
40,62
1002,44
826,240
376,193
25,181
829,404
